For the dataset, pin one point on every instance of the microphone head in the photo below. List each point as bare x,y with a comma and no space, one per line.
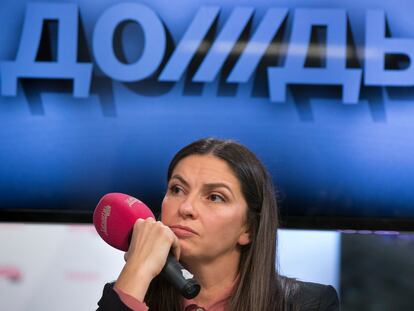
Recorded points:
114,218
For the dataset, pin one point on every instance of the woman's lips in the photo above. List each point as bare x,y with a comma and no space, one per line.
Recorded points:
182,231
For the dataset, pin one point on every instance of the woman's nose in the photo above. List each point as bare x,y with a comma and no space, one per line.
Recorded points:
188,207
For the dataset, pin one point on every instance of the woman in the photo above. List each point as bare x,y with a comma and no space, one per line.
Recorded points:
219,218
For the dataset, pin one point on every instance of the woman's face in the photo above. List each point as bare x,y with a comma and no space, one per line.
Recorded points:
205,208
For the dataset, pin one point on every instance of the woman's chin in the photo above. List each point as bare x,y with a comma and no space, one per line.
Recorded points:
187,257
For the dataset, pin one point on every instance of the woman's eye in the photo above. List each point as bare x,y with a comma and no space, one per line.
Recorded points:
216,198
175,189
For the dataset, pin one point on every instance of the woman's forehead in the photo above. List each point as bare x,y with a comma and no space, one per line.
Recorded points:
207,167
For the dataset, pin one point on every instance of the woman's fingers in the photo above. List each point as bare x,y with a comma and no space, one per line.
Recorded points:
175,245
175,248
150,244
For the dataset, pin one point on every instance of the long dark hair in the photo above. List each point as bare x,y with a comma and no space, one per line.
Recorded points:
259,287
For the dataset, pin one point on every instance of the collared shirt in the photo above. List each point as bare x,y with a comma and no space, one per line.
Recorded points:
189,304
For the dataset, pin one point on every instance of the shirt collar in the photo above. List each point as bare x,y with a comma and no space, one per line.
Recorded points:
220,302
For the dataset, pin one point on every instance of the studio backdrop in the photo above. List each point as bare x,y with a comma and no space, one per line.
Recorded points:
97,96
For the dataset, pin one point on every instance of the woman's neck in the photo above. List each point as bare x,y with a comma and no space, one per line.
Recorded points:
216,277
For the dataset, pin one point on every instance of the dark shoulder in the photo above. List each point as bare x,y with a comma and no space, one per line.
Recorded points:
110,300
308,296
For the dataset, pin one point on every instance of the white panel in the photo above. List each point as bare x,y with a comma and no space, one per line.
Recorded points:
308,255
62,267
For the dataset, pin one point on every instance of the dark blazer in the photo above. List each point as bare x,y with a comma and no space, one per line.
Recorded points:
309,297
316,297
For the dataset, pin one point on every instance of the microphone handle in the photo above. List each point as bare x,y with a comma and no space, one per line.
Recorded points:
180,278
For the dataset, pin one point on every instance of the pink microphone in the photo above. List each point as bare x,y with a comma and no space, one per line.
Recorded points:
114,218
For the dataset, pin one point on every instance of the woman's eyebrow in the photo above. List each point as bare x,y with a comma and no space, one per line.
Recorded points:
181,179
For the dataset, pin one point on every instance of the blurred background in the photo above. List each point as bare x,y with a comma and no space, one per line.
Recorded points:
64,267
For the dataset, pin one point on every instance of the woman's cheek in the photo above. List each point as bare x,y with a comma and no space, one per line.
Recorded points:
164,208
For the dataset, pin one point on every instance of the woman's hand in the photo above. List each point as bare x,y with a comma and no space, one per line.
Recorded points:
147,254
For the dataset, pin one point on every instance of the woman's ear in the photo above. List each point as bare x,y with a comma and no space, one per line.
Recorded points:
244,238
